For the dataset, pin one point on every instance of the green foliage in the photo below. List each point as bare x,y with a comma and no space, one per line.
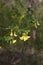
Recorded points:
17,18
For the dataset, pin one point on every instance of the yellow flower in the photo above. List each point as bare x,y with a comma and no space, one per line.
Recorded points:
11,34
21,38
15,34
38,23
14,41
35,25
25,37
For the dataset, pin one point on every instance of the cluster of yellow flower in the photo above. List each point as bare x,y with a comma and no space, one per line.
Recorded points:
13,34
24,37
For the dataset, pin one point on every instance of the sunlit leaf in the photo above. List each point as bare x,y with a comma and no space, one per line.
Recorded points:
22,16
